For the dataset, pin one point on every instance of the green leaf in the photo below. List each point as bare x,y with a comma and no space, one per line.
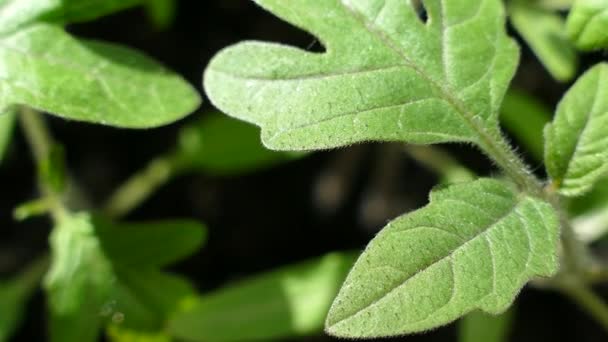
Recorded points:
525,117
204,146
545,33
158,243
385,75
587,24
473,247
78,282
288,302
477,326
14,295
7,125
146,298
45,68
79,269
15,14
120,334
576,151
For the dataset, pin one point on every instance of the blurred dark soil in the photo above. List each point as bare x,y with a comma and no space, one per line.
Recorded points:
265,219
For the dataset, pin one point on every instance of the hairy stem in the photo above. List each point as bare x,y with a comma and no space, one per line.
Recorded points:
40,142
140,186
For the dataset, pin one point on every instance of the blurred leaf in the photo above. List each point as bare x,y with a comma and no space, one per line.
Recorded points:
78,282
151,244
576,152
161,12
288,302
17,13
104,272
79,269
119,334
587,24
146,298
221,145
90,81
14,294
480,327
525,117
7,124
427,269
555,4
545,33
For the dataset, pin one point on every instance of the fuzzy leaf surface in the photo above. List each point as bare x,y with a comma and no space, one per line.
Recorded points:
385,75
44,67
473,247
576,151
587,24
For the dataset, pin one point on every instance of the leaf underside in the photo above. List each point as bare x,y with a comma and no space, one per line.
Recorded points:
385,75
576,152
473,247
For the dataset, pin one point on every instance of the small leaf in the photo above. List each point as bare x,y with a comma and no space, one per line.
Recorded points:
152,244
525,117
7,124
545,32
79,269
587,24
478,326
47,69
576,151
78,281
288,302
473,247
385,75
146,298
218,144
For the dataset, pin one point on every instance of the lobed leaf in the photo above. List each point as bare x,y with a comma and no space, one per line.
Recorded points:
45,68
545,33
587,24
576,151
287,302
473,247
385,74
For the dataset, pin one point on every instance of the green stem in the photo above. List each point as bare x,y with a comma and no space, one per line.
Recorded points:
40,141
589,301
140,186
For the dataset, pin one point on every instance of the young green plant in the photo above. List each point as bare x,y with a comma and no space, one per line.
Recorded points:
391,74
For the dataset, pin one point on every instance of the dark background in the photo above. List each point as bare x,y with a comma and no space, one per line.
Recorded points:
268,218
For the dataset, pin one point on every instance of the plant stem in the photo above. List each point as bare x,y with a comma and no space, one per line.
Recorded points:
40,141
589,301
141,185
